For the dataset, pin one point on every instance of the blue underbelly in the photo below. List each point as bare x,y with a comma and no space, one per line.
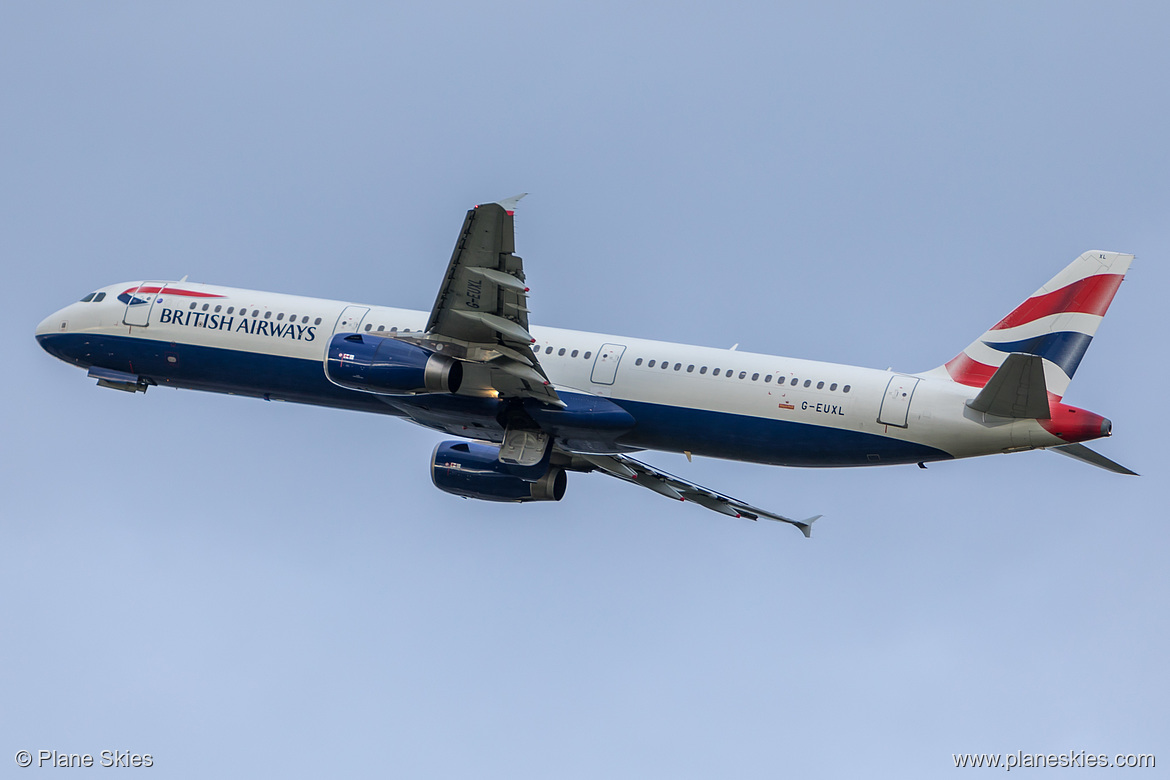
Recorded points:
761,440
658,427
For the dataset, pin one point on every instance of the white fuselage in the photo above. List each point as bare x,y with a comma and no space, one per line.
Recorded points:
700,400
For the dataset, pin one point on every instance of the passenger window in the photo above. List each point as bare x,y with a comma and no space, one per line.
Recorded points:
586,355
665,365
255,312
807,382
381,328
100,297
703,370
768,378
742,374
561,352
677,366
691,368
317,321
304,319
231,309
650,364
755,377
845,389
267,315
369,326
638,362
193,305
217,308
833,386
573,353
820,385
715,372
795,381
206,306
548,350
281,317
729,373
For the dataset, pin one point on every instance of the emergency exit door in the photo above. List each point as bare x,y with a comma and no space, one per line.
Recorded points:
896,404
605,365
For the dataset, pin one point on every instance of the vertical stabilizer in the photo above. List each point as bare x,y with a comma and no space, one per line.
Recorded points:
1056,323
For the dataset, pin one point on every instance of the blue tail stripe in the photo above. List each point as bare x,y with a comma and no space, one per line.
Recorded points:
1065,348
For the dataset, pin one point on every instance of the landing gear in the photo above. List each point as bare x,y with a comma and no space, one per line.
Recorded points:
524,446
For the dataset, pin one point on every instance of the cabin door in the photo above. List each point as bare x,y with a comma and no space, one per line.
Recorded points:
896,404
605,365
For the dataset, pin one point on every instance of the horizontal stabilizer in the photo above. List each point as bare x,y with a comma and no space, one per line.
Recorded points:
1016,389
1081,452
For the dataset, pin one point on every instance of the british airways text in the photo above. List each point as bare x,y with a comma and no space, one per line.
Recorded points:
254,327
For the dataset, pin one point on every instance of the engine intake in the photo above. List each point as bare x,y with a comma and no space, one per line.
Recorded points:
386,365
472,470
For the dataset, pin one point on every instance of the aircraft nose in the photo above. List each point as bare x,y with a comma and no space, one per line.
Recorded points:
1106,427
57,322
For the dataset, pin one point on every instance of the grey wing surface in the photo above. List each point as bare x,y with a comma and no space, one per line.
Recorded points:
638,473
480,315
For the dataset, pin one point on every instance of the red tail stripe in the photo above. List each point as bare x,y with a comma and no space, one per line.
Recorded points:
1091,295
967,371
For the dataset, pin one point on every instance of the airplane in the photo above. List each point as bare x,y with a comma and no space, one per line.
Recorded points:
531,404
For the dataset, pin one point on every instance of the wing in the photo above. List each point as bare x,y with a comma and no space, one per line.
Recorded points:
638,473
481,313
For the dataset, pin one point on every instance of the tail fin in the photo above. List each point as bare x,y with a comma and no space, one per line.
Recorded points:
1056,323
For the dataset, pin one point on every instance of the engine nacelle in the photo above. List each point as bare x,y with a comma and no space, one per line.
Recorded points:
385,365
472,470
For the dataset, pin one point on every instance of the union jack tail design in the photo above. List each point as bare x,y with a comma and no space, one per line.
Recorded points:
1057,323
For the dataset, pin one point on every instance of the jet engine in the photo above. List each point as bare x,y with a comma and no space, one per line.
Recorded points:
385,365
472,470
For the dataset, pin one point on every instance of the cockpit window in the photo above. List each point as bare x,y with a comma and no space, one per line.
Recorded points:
88,298
99,297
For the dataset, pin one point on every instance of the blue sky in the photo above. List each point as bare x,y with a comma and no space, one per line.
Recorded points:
242,588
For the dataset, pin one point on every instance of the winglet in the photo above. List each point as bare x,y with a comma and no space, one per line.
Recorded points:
805,526
509,204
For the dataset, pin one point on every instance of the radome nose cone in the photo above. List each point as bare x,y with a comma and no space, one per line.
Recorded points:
1106,427
54,323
